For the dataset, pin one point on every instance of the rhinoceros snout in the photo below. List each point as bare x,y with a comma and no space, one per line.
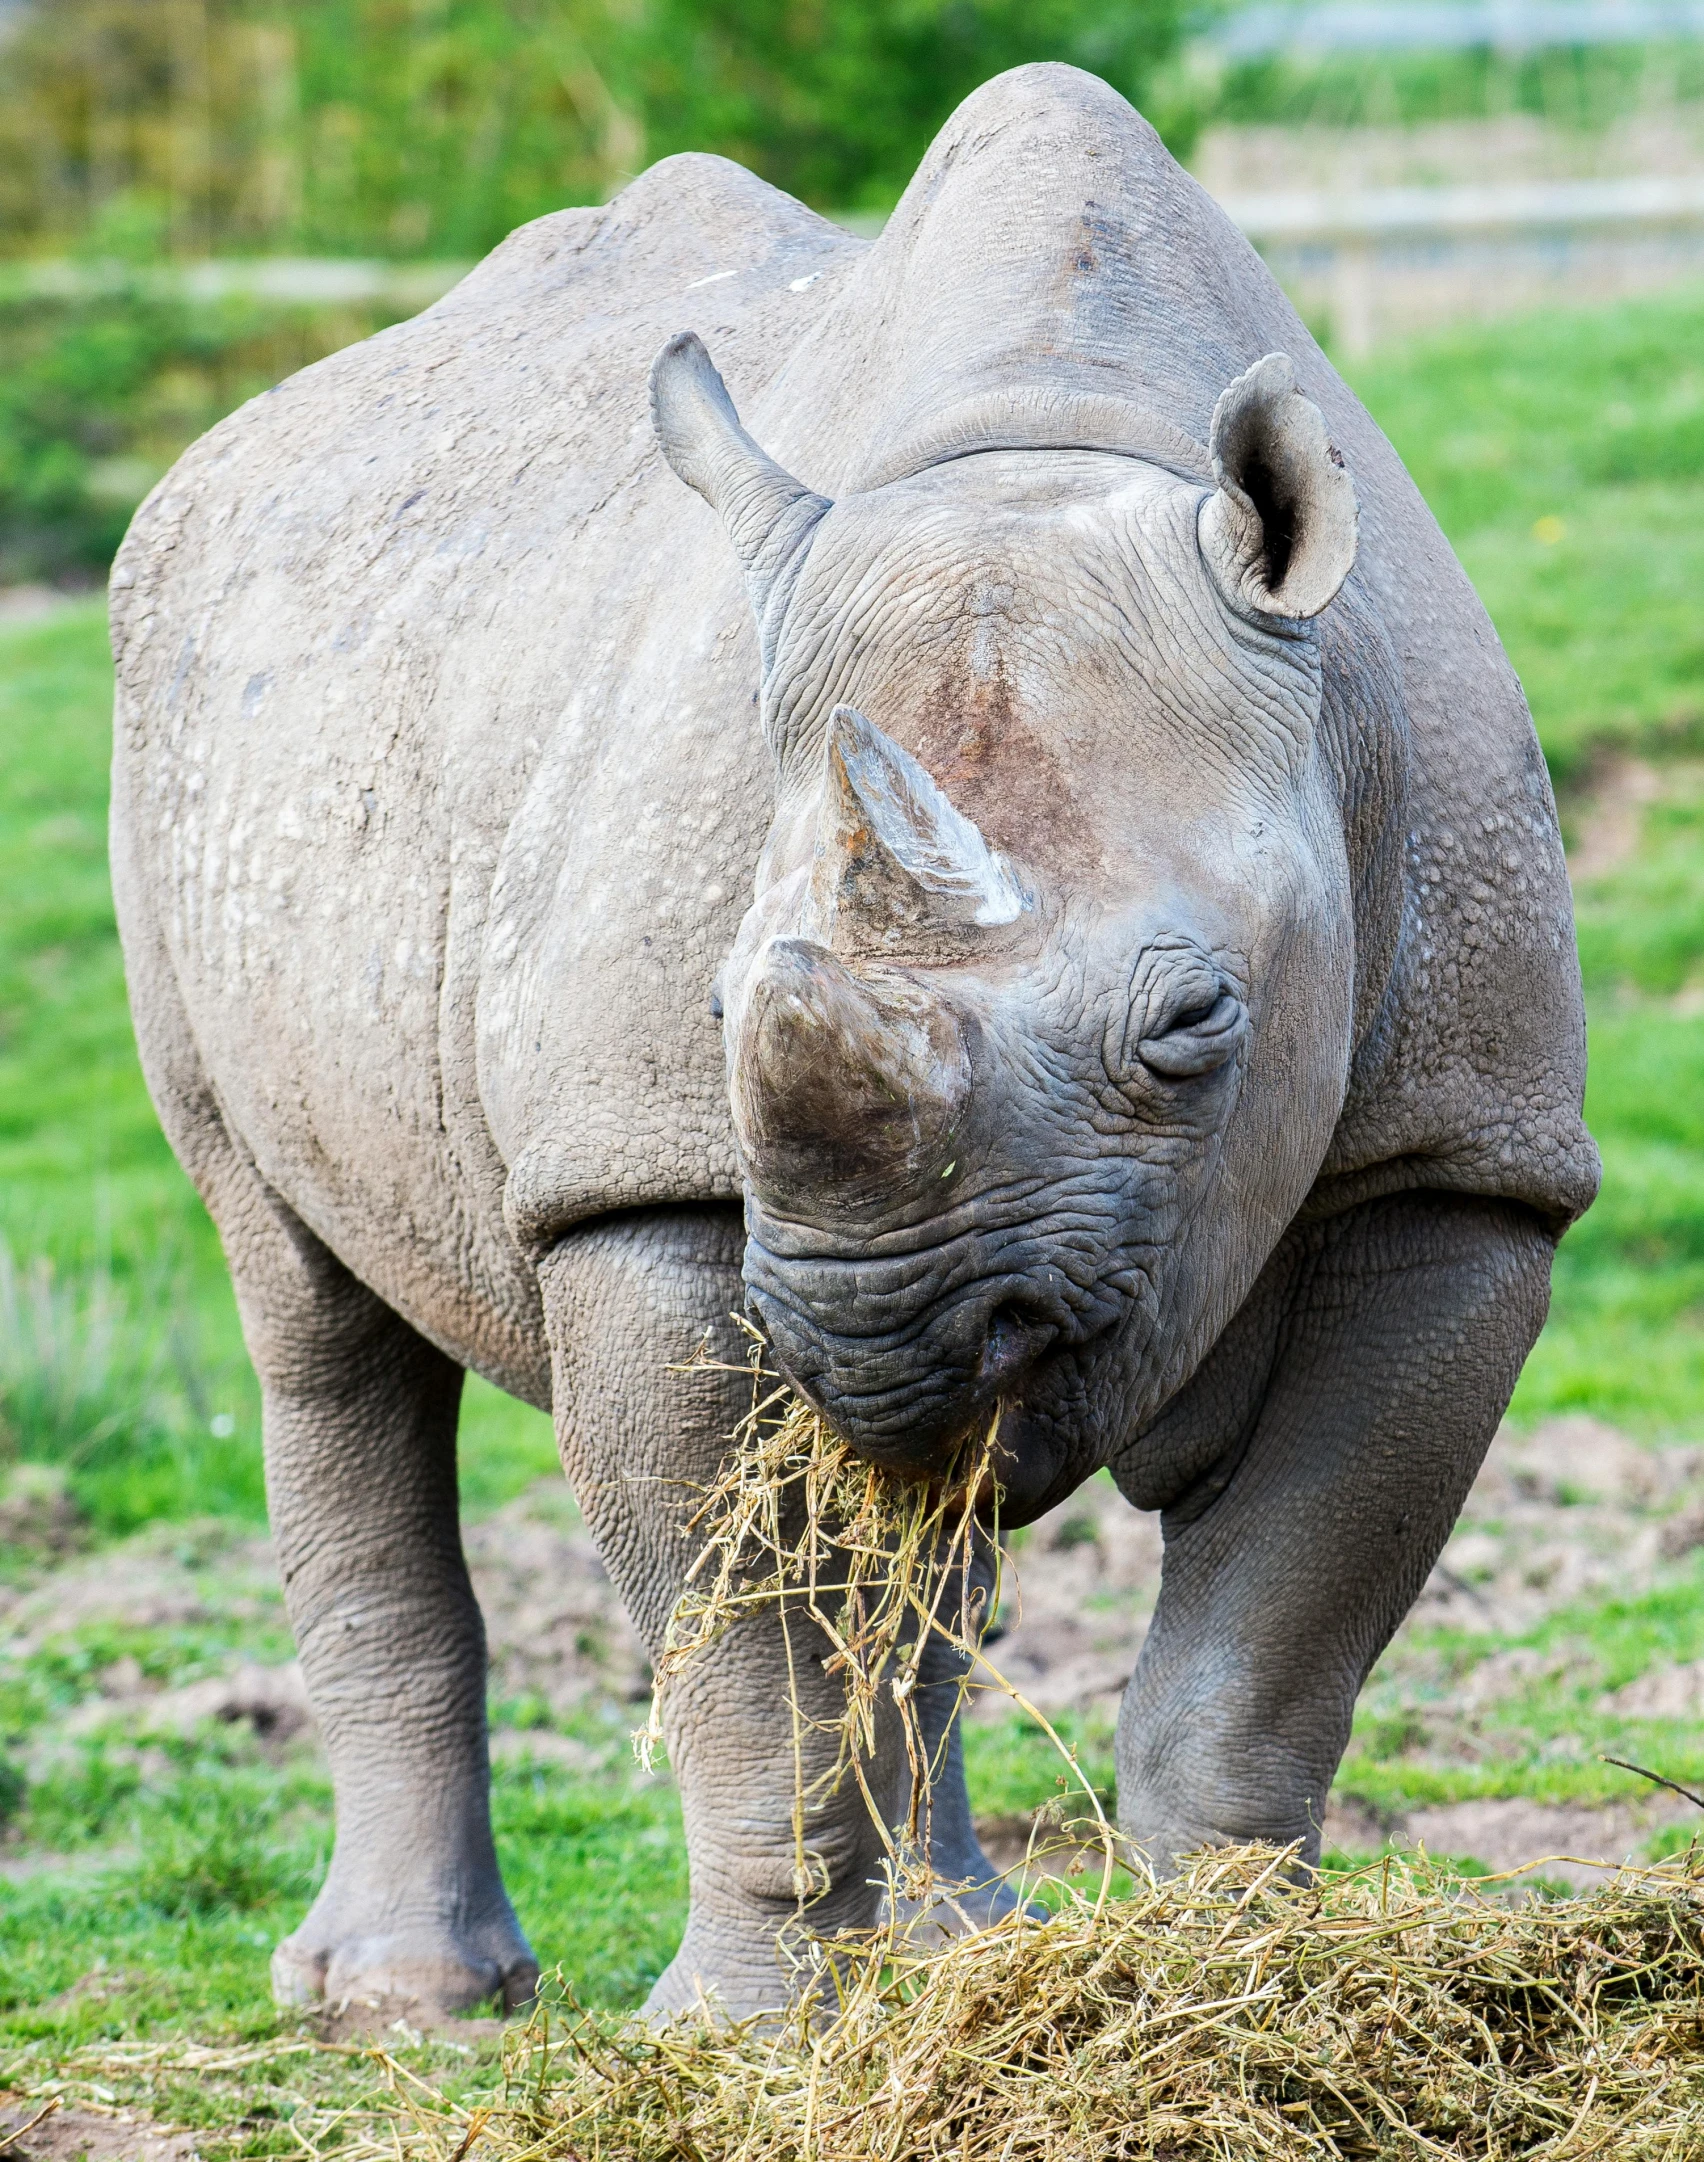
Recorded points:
907,1401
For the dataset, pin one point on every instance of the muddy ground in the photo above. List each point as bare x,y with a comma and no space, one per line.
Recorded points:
27,2134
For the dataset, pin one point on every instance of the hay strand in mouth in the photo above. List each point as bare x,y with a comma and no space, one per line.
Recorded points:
799,1527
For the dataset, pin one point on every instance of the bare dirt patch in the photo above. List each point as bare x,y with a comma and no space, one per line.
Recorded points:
171,1576
1608,821
557,1632
1569,1511
83,2135
555,1625
1084,1579
1577,1846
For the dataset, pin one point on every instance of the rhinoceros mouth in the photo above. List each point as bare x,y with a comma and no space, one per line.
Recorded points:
895,1404
909,1394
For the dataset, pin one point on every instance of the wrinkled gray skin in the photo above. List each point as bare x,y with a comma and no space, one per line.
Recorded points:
1156,1019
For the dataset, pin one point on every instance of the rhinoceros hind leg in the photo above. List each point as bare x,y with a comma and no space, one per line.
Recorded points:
1357,1395
360,1426
360,1429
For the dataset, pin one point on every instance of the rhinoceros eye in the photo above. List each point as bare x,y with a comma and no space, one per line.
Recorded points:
1198,1036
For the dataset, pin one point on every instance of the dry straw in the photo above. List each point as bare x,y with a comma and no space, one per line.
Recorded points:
1390,2013
798,1527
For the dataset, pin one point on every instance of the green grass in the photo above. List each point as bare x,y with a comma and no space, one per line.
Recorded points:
177,1860
1545,1741
1564,456
182,1860
86,1177
217,1859
1626,1334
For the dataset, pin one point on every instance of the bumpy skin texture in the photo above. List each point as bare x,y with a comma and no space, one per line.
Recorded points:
453,774
630,1302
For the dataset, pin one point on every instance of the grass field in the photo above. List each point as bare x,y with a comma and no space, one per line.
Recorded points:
146,1875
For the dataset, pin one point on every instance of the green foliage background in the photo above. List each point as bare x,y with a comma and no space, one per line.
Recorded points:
101,390
135,132
139,131
432,127
409,127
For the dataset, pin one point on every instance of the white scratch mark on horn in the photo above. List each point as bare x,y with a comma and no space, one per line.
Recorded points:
931,841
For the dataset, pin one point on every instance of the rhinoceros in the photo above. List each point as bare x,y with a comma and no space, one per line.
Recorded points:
1029,874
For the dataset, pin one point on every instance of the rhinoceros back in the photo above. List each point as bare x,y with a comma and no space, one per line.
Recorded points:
434,686
439,779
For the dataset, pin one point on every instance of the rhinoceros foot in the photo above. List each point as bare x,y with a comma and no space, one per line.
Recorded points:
421,1971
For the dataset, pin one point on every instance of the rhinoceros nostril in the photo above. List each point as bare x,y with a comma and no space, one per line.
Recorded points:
1017,1336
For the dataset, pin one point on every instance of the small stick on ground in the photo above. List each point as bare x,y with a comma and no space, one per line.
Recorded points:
12,2138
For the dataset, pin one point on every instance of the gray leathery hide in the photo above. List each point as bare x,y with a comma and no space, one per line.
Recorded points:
438,715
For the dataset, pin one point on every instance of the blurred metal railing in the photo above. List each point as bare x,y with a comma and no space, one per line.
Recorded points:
1367,265
1371,26
1384,262
1522,206
285,280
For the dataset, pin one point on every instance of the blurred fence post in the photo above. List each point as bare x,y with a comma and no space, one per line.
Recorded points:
278,159
1389,261
191,124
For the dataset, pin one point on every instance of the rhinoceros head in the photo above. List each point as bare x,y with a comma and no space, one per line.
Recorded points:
1039,1026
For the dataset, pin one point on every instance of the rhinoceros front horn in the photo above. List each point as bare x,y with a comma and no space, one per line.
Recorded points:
1278,534
846,1081
768,514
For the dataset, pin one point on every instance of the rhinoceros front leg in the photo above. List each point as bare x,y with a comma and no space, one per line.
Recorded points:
1349,1408
627,1303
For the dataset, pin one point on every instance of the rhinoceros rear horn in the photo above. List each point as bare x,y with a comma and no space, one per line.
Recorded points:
896,863
1278,534
769,515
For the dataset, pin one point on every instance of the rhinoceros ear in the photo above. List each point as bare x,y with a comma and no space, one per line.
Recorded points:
895,860
769,515
1278,534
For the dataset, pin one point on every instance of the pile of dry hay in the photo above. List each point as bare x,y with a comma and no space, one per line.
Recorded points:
1231,2014
1228,2015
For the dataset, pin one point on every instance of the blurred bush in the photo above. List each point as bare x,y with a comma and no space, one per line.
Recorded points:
837,101
330,126
139,131
101,389
416,127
